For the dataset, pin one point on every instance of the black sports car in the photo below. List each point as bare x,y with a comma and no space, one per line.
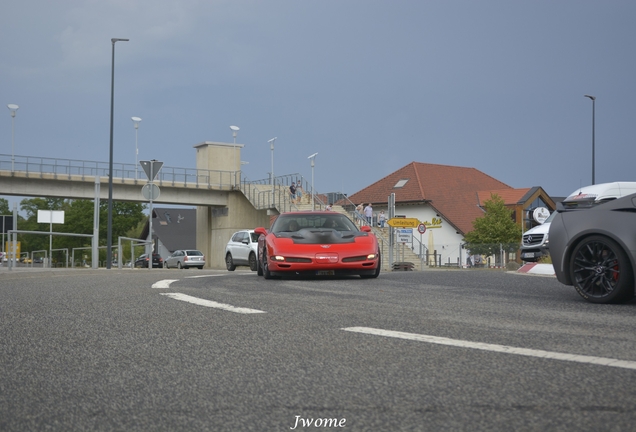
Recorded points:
594,249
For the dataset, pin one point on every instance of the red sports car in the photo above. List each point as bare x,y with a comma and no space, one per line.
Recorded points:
318,243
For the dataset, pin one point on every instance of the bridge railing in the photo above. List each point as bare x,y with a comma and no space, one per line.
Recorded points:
33,166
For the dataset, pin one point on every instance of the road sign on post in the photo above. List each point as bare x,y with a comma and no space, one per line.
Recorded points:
403,222
151,168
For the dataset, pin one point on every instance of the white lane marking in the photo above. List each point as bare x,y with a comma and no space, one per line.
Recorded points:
603,361
163,283
204,276
212,304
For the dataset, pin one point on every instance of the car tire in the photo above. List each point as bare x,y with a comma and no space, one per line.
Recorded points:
253,262
377,270
165,265
229,262
265,266
601,272
179,266
259,267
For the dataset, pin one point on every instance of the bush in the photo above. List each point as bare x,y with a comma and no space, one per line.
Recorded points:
512,266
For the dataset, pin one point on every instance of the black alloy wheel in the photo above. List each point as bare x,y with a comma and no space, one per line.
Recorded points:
601,272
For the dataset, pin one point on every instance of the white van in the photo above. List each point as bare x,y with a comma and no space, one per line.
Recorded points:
534,244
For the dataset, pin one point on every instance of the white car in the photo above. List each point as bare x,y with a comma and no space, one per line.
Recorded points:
242,250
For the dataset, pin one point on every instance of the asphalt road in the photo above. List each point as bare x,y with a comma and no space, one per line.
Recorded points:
447,350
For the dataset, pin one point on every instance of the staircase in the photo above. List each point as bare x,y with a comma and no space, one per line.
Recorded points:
260,195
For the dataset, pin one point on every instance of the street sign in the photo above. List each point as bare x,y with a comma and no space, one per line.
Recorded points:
404,235
150,191
151,168
421,228
403,222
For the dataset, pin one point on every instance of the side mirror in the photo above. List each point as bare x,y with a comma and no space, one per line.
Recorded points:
260,231
365,228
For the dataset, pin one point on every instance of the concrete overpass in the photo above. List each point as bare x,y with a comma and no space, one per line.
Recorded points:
225,202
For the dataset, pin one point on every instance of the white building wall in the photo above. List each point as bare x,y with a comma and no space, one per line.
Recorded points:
440,235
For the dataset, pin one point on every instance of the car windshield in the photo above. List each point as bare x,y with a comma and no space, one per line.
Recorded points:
193,253
296,222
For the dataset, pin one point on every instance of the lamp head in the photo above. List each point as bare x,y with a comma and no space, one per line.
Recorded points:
591,97
13,108
136,121
313,156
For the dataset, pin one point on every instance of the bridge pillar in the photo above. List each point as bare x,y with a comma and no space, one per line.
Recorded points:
215,226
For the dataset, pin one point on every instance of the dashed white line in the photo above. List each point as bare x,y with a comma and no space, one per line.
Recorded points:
602,361
212,304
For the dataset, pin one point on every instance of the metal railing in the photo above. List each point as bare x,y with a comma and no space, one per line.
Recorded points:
72,168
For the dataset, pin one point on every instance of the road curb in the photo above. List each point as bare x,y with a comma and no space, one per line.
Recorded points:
535,268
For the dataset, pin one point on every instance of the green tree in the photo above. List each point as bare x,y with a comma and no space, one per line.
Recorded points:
78,219
494,229
4,207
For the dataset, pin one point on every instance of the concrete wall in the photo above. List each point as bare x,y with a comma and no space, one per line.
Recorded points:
216,224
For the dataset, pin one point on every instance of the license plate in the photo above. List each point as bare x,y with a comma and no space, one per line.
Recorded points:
325,273
527,255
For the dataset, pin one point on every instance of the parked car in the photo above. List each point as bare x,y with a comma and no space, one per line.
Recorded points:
536,241
593,248
242,250
317,243
143,260
185,258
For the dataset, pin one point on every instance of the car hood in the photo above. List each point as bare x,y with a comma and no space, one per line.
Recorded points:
324,236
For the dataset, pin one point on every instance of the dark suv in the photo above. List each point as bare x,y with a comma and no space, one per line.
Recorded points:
142,261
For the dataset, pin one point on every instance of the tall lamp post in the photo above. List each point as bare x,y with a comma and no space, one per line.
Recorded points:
235,129
13,108
593,98
271,147
313,202
109,235
136,121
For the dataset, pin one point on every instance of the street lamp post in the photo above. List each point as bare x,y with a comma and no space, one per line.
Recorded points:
313,202
271,146
109,235
136,121
235,129
13,108
593,98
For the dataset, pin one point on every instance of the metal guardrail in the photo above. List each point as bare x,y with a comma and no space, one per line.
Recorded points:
33,166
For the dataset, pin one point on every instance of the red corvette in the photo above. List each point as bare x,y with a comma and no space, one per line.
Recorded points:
318,243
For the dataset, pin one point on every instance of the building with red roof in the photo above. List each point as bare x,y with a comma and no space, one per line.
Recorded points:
447,199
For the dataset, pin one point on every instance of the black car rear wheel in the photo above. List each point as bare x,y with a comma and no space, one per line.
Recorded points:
601,272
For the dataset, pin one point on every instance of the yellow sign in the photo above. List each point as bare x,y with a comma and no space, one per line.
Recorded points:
404,222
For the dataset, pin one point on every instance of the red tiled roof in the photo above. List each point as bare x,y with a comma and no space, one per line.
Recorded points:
510,196
454,192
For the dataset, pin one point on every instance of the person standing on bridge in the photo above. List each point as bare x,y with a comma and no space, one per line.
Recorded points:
368,212
292,193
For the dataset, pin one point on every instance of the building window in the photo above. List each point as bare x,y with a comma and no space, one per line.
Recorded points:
400,183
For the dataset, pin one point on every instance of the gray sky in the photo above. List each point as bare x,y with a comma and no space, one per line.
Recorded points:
370,85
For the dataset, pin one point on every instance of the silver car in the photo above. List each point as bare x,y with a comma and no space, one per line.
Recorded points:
185,258
241,250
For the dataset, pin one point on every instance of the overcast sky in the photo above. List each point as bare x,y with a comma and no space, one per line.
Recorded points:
370,85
